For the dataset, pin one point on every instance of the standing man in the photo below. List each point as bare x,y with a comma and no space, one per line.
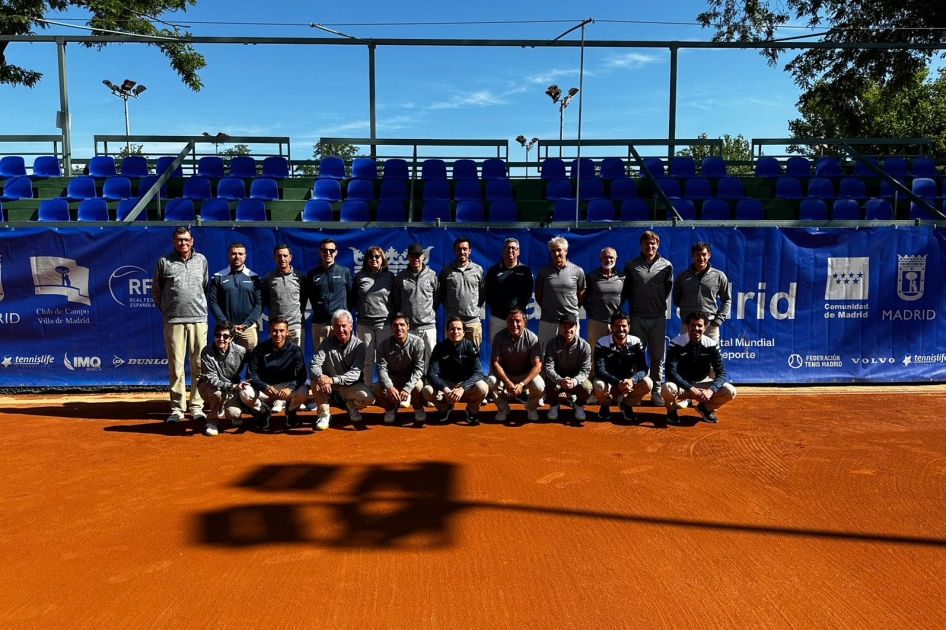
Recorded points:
400,372
178,289
462,291
701,287
275,372
508,286
689,360
327,287
221,369
648,280
337,366
414,291
620,370
603,298
567,366
559,290
515,362
455,375
235,296
283,293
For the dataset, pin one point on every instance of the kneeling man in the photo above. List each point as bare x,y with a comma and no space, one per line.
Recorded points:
515,362
400,372
275,371
221,380
690,358
337,367
567,366
455,375
620,370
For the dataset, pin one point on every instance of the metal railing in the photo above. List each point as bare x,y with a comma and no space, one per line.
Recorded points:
272,145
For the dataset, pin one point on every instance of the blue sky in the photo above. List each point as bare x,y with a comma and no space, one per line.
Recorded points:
306,92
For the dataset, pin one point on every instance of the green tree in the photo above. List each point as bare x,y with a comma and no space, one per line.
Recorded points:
735,149
916,109
137,17
237,149
345,151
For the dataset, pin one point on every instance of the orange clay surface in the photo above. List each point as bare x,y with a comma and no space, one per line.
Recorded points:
798,510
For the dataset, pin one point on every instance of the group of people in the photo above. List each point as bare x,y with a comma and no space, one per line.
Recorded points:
392,357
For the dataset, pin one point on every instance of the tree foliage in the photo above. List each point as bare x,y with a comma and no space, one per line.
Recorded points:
136,17
345,151
735,149
916,109
237,149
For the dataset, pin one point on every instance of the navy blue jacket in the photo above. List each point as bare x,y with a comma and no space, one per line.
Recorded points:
235,297
689,362
327,290
614,364
269,366
458,364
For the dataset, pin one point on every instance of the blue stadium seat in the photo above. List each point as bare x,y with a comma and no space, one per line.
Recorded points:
354,210
231,189
331,167
587,169
12,166
250,210
22,188
684,208
145,184
436,190
852,188
164,163
362,189
861,169
394,189
435,209
749,210
924,167
600,210
390,211
715,210
821,188
613,168
433,169
497,189
102,166
730,188
503,211
559,189
919,212
896,167
364,168
264,188
214,209
56,209
827,166
470,211
197,188
697,188
135,166
798,167
467,189
682,167
464,170
671,187
623,188
788,188
812,210
887,191
327,190
878,210
80,187
591,188
553,168
494,168
243,166
116,188
846,210
95,209
125,206
655,165
275,167
210,166
396,168
634,210
713,167
46,166
767,166
317,210
564,210
926,187
179,210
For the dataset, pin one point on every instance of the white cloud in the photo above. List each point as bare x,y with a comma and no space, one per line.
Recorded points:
480,98
631,60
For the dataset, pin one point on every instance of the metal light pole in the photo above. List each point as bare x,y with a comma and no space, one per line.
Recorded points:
555,94
127,89
526,145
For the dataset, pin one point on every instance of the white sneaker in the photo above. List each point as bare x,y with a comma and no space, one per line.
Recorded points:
321,422
420,415
532,415
198,416
683,404
221,414
580,413
211,429
502,410
353,412
176,416
390,416
279,406
553,413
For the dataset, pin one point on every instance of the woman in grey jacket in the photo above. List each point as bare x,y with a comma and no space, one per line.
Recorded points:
372,290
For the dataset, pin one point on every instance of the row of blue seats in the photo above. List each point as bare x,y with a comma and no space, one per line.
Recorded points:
751,209
850,187
396,168
136,166
433,189
119,187
181,210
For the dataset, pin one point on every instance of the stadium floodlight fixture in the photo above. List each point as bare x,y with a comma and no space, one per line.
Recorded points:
125,91
521,139
553,92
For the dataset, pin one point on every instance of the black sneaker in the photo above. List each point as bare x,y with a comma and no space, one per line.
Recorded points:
472,418
604,412
417,424
262,418
629,414
292,419
708,414
672,416
445,415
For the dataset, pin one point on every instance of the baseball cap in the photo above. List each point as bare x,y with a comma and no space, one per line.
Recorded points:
568,318
414,248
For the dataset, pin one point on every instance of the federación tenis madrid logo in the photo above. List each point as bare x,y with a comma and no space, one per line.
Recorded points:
397,261
911,277
53,275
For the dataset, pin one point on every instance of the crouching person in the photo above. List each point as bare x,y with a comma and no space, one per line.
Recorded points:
515,362
567,366
620,370
221,380
400,372
336,367
275,371
455,375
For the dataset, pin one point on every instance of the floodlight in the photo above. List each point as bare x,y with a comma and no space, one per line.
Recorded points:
127,84
573,91
521,140
138,90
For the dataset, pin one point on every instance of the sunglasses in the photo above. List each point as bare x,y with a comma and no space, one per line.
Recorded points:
328,251
221,336
375,257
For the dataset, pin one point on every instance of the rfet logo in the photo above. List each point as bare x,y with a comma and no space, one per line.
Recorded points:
130,286
53,275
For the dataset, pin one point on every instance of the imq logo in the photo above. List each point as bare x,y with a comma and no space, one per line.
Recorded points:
90,364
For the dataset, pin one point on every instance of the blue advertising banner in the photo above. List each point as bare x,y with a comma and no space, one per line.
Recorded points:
808,305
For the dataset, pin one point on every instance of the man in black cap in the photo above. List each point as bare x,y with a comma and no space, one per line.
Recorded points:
567,366
415,289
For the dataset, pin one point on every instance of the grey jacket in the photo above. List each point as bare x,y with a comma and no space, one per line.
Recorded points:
647,286
284,296
401,365
344,363
179,288
222,371
372,297
562,360
462,290
699,291
414,295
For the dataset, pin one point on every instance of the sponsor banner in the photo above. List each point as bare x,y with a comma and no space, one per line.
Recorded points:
808,305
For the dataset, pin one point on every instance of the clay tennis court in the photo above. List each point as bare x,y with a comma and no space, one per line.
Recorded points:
817,509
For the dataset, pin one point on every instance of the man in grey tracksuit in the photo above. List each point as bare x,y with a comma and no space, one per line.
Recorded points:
400,372
462,291
337,366
283,293
414,294
178,289
701,287
221,370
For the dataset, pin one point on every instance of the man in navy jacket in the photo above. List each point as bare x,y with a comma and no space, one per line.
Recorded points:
455,374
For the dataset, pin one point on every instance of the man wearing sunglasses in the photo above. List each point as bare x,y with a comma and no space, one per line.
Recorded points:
220,383
327,286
